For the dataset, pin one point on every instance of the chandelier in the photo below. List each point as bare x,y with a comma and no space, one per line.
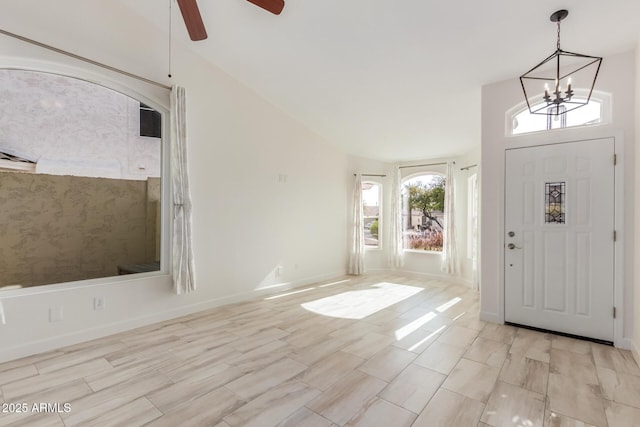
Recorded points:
549,86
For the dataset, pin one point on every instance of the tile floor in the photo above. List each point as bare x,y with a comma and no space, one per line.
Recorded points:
387,351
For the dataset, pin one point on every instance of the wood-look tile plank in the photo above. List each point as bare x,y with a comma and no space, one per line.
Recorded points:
553,419
204,411
572,397
622,415
413,388
418,340
331,369
527,373
380,413
307,418
191,388
570,344
489,352
620,387
31,420
40,383
388,363
316,352
472,379
496,332
368,345
107,400
509,403
17,373
274,406
576,365
450,409
137,413
440,357
344,399
30,360
532,344
254,383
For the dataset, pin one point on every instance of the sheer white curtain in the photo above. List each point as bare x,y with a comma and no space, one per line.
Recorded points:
183,266
396,252
356,254
450,261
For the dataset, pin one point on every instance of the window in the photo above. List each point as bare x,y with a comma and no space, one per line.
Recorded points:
423,212
594,113
81,189
371,213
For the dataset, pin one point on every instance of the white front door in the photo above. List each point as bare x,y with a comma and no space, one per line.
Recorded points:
559,237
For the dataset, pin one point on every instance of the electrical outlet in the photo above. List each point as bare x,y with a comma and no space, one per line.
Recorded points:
98,303
279,271
55,314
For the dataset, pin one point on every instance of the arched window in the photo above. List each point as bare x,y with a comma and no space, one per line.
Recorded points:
82,187
521,121
423,212
371,213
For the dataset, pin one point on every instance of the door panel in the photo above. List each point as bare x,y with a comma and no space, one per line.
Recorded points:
559,263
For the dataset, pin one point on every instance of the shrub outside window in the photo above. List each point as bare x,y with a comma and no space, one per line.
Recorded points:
423,212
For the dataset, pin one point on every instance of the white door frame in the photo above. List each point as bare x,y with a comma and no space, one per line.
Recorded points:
548,139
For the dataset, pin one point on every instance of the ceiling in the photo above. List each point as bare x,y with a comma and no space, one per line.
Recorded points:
390,80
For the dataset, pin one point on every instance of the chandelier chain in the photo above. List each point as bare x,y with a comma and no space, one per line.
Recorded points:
558,43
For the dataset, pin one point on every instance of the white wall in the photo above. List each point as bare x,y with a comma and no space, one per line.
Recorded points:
247,220
635,344
617,76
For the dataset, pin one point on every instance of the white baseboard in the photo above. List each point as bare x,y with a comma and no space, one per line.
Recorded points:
56,342
490,317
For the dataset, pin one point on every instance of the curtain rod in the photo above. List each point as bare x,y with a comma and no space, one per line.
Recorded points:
468,167
368,174
82,58
430,164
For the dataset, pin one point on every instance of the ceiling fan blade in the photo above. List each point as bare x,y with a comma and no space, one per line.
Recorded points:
192,19
273,6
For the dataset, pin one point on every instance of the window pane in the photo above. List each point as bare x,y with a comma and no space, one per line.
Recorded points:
80,187
554,203
525,122
371,213
423,212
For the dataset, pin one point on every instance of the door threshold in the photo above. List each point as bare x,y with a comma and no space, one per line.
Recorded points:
563,334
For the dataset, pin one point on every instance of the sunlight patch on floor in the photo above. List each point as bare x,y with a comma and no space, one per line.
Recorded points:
447,305
424,340
326,285
362,303
289,293
414,326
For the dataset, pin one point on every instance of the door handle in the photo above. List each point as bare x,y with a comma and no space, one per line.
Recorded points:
513,246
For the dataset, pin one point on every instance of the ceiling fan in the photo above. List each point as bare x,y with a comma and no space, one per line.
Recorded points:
193,20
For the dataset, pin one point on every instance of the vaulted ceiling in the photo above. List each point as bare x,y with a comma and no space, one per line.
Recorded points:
391,80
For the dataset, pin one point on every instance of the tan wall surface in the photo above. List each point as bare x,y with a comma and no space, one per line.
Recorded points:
57,229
